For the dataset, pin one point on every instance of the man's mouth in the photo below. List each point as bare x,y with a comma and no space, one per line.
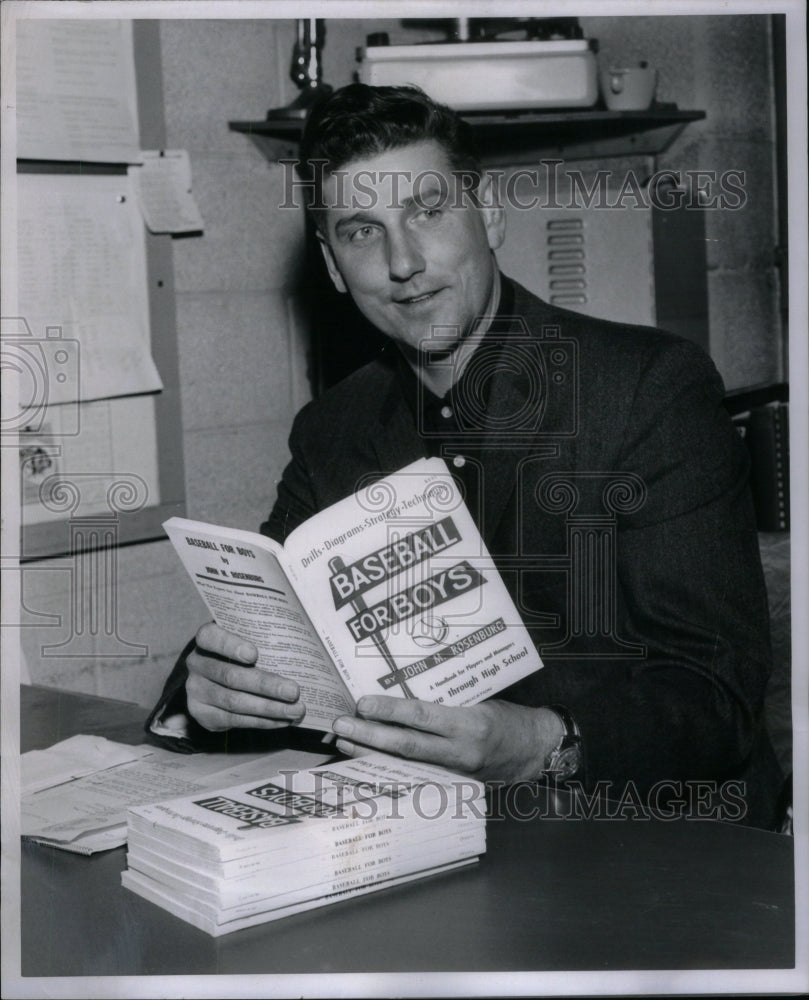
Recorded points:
412,300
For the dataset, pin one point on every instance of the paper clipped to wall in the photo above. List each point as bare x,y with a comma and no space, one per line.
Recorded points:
76,95
82,285
162,185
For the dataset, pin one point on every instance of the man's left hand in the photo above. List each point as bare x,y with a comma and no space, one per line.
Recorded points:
495,740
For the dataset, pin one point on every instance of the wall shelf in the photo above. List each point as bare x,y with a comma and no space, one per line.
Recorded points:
513,137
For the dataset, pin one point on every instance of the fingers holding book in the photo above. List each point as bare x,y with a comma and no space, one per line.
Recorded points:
495,740
225,690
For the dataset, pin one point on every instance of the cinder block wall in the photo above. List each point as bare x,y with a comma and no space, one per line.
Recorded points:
723,66
242,350
242,347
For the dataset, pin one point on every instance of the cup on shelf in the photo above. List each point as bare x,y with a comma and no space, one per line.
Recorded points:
628,88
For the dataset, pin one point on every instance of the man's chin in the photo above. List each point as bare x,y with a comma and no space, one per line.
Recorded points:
442,341
439,346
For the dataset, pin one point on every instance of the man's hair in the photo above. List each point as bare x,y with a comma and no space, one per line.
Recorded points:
358,121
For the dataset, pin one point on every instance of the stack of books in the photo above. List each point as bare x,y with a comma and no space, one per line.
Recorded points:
302,839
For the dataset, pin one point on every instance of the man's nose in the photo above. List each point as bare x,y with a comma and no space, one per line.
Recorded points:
404,257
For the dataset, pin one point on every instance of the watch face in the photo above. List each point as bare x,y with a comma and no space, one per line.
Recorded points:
567,762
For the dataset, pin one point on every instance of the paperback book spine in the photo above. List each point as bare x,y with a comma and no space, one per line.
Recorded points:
365,862
146,888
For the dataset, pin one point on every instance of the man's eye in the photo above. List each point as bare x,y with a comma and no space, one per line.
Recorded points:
363,234
430,214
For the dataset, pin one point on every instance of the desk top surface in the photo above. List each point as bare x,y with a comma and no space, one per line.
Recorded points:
550,894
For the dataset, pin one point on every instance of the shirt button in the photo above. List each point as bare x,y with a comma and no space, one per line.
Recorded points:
446,412
459,461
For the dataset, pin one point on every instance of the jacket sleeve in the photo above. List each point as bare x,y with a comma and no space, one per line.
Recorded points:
689,593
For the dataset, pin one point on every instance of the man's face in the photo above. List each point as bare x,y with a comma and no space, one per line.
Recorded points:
414,270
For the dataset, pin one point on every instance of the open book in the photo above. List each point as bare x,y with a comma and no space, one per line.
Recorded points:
389,591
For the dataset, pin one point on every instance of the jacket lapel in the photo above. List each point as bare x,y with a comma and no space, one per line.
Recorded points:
514,394
515,408
397,442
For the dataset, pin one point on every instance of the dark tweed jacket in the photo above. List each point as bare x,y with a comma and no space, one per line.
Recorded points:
614,500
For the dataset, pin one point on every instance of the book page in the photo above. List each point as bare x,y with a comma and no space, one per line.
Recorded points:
240,578
407,599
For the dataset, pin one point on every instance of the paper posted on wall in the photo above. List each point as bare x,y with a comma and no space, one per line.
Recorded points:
389,591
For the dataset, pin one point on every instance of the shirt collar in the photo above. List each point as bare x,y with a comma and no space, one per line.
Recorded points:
417,394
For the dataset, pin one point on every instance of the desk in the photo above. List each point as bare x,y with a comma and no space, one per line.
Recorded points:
550,894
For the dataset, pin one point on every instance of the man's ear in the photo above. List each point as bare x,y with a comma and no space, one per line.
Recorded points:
331,263
494,216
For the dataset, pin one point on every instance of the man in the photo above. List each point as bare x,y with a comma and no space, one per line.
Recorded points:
655,638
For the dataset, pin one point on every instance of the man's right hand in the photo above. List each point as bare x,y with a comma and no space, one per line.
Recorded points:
225,690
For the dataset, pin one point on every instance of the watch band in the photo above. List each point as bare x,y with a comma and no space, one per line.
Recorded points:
565,760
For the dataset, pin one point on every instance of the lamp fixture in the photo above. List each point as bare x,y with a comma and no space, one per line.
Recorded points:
306,70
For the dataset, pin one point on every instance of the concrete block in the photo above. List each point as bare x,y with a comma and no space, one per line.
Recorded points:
249,242
216,71
746,341
736,64
231,472
160,612
42,579
235,358
143,562
72,673
139,682
742,238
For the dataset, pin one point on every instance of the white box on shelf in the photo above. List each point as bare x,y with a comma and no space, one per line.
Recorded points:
483,76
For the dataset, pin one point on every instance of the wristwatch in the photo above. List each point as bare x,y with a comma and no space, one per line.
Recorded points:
565,760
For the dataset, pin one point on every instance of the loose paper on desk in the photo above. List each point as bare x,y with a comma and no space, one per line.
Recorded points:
76,97
163,188
88,814
82,287
73,758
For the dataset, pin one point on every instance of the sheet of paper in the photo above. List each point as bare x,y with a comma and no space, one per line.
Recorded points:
73,758
82,287
76,96
91,843
241,578
93,447
162,186
91,810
